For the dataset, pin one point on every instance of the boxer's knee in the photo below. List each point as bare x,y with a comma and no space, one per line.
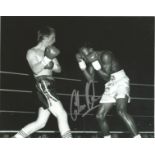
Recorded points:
98,116
122,113
40,123
101,116
58,111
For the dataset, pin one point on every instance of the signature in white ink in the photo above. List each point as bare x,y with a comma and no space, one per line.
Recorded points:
78,109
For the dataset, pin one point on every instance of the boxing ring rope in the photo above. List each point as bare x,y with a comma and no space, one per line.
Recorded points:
93,132
71,79
32,112
64,94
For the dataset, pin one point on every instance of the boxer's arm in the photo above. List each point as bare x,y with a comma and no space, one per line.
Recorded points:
89,73
35,66
56,68
104,75
107,66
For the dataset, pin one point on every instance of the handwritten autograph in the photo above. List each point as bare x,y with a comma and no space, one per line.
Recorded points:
76,108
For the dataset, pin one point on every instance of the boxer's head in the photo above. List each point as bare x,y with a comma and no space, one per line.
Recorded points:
85,51
46,35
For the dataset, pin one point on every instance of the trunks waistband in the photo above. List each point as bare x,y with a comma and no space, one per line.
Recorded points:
44,77
118,75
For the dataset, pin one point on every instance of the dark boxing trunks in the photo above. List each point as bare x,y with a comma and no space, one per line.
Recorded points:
46,91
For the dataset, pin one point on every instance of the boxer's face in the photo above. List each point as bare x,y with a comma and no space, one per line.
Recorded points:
50,40
85,52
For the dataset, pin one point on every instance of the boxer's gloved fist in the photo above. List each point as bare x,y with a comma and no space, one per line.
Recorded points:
49,65
81,62
94,60
50,53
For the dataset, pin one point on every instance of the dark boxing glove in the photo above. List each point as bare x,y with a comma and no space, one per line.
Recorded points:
50,53
49,65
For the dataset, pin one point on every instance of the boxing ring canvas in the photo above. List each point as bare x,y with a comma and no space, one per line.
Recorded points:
130,38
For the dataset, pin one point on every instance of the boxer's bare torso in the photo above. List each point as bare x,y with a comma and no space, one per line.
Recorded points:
34,57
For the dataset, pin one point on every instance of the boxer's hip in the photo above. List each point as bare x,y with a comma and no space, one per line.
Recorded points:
116,87
118,76
117,79
45,86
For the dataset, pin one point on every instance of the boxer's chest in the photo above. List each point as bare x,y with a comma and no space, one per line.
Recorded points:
39,55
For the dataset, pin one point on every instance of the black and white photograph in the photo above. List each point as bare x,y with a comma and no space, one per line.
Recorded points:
77,77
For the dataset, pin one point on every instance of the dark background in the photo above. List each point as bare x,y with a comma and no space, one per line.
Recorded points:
130,38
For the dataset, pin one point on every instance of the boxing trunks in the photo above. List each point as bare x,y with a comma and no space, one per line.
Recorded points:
117,87
46,91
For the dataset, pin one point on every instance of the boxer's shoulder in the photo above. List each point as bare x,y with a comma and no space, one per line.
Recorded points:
106,54
34,52
30,53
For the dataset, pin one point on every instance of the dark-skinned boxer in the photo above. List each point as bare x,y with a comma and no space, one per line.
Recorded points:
117,87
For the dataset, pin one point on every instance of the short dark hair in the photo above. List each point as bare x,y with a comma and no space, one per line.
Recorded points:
85,47
44,31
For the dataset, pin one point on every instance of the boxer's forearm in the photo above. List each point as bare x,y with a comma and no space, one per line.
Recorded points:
87,75
37,68
104,75
56,68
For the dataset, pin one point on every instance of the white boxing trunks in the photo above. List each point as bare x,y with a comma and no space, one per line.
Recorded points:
117,87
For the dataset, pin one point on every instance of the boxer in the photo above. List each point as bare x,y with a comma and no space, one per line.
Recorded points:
43,62
117,86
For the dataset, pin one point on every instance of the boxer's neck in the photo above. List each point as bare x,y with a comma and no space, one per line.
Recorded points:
42,46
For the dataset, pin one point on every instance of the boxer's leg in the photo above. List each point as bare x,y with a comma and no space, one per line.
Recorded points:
121,105
43,115
103,110
58,111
